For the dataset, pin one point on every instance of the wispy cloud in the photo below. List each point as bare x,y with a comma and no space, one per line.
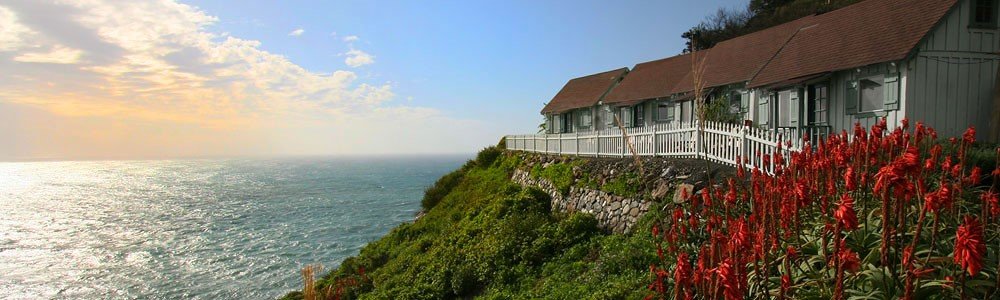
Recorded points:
357,58
297,32
12,33
181,83
58,55
351,38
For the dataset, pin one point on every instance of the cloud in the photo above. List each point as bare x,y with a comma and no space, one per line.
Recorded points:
297,32
58,55
351,38
12,33
144,69
357,58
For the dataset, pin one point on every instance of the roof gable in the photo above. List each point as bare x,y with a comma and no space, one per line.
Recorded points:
649,80
737,60
861,34
583,91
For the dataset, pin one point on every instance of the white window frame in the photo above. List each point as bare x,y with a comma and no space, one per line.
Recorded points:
667,115
817,110
586,118
878,79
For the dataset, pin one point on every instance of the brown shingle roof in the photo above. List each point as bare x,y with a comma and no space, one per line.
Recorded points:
583,91
738,59
861,34
650,80
865,33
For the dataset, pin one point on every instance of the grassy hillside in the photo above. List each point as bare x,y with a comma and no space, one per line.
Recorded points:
484,236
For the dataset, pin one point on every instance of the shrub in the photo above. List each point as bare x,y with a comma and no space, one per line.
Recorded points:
487,156
626,185
875,214
560,174
442,187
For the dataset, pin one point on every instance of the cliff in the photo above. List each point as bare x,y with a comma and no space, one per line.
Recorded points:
513,225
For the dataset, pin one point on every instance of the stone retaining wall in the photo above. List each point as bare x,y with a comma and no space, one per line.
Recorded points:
614,213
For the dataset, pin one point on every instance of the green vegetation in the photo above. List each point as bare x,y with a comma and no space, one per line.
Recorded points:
757,15
484,236
627,185
560,174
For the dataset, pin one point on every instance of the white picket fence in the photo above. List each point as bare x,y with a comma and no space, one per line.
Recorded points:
722,143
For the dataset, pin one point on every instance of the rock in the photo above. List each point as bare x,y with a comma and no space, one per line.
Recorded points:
668,172
682,188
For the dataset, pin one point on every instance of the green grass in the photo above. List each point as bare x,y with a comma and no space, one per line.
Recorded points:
488,237
560,174
626,185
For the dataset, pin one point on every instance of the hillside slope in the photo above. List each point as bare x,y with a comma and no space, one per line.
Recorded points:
485,236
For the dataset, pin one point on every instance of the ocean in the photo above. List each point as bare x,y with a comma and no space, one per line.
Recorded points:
196,229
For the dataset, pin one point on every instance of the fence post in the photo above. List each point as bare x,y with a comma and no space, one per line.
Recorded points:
656,142
597,143
743,145
624,145
545,143
576,138
697,138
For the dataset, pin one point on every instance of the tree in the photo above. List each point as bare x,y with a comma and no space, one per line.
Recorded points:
757,15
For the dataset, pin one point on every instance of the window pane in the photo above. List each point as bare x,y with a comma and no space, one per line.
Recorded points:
819,104
783,108
640,115
735,102
984,12
686,111
662,111
871,93
764,109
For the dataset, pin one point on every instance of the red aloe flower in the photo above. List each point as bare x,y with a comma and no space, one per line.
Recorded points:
974,176
939,199
849,259
846,217
991,203
740,235
969,136
850,180
730,280
682,274
731,193
969,245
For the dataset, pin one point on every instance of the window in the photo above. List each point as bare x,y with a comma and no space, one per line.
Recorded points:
624,116
820,104
568,122
764,109
871,96
784,109
638,115
609,117
984,14
664,111
586,119
739,104
686,111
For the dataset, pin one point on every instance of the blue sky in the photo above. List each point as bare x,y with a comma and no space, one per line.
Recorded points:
152,79
498,61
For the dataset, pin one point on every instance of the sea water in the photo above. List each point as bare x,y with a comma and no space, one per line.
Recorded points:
196,229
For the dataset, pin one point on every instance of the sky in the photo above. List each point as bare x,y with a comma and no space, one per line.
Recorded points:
109,79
